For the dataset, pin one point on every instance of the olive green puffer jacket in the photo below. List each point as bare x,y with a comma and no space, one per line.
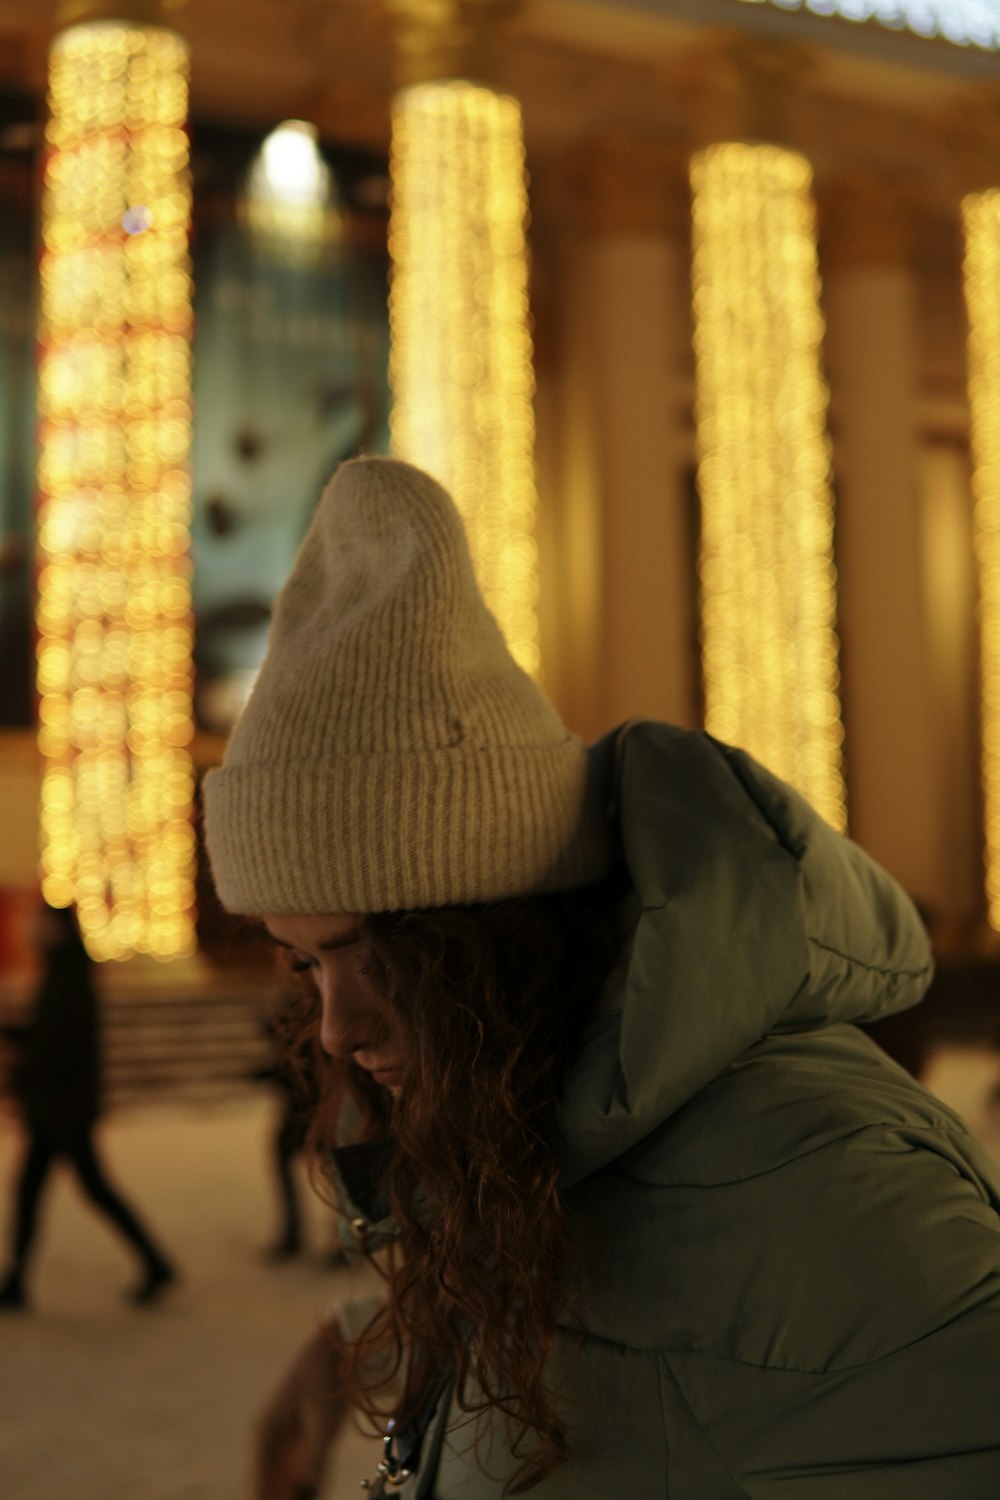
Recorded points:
791,1252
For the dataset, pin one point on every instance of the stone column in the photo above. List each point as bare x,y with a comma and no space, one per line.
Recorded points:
569,529
639,343
872,361
949,592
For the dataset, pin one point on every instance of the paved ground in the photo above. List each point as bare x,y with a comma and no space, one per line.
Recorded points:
102,1401
968,1078
99,1401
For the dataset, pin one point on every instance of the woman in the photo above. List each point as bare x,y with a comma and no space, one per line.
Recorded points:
57,1080
659,1219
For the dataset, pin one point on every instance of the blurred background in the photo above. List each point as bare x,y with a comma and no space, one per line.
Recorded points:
695,306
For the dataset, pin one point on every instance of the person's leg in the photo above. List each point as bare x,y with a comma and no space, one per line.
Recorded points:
79,1148
38,1158
287,1142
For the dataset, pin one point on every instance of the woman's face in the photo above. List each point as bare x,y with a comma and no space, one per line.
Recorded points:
358,1023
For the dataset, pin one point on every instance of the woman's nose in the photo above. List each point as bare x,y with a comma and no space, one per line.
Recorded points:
341,1026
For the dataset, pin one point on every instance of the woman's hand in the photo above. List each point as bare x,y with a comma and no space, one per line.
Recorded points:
295,1430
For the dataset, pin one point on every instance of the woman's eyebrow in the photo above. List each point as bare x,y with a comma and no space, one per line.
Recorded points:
328,945
342,940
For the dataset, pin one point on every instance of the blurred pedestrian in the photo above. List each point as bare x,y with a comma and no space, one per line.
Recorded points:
57,1081
287,1144
292,1073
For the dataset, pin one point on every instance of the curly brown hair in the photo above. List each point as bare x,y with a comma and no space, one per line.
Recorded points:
492,999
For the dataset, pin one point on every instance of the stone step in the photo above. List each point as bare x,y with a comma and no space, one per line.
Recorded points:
199,1040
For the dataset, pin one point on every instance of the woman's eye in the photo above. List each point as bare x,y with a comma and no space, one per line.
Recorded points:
300,965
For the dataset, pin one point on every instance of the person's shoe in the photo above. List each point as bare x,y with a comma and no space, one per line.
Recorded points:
12,1297
157,1279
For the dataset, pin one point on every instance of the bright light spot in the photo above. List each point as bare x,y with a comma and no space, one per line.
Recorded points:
135,220
290,167
290,196
962,22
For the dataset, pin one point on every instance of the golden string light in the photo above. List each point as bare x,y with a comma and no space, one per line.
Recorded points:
768,586
981,219
461,360
114,609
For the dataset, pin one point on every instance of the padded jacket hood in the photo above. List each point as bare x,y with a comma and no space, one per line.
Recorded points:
756,918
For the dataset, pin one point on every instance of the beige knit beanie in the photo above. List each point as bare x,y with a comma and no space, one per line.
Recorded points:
392,754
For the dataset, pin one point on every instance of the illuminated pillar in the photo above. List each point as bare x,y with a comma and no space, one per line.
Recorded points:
981,220
873,360
461,352
768,590
114,613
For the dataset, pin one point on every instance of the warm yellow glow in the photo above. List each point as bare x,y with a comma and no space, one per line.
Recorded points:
981,216
114,608
768,587
461,361
289,198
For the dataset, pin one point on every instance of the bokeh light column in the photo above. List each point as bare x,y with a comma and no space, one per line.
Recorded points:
768,586
114,611
461,352
981,221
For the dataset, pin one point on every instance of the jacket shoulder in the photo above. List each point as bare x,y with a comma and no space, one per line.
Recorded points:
813,1211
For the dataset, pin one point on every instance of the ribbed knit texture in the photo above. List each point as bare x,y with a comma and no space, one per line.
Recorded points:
393,754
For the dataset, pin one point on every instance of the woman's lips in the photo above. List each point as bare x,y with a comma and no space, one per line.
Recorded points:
386,1076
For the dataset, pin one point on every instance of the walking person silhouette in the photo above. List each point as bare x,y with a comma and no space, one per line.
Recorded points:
57,1080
